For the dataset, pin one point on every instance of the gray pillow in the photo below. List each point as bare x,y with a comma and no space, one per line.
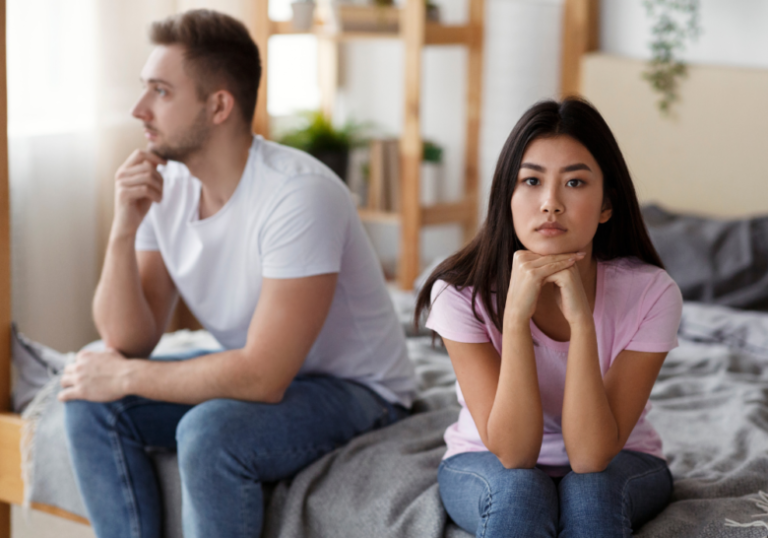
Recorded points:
713,261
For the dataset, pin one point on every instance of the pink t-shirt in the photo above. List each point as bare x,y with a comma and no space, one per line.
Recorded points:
637,307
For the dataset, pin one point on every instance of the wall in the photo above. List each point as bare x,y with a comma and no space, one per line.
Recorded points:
735,32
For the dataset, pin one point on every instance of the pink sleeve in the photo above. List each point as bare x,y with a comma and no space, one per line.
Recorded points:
660,312
451,315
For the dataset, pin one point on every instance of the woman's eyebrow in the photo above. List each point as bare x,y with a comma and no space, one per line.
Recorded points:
532,166
574,167
569,168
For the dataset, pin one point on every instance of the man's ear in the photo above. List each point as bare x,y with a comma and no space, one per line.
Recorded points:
221,104
607,210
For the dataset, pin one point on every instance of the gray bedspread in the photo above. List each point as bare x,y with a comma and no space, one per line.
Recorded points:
710,407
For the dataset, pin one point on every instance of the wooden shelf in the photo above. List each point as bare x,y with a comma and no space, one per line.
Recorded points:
415,32
435,33
373,215
453,212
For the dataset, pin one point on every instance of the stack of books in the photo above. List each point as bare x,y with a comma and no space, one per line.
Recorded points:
384,175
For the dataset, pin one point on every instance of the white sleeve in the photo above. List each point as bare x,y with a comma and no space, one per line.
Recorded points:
306,229
145,235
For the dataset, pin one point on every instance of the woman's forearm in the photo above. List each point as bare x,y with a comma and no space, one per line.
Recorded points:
120,310
590,430
516,424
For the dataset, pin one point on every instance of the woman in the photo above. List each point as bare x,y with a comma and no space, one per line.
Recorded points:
557,318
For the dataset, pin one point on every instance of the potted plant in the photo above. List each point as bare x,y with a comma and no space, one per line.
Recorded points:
318,137
431,174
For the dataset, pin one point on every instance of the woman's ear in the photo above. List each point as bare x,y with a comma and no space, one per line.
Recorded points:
221,104
607,210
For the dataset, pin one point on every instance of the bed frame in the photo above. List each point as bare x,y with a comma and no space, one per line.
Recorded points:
580,35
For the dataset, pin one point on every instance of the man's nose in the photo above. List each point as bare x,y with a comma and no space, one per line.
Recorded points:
141,110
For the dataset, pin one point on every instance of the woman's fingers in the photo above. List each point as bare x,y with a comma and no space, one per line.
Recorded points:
546,271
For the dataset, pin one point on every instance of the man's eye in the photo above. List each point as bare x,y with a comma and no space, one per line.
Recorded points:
532,181
161,92
574,183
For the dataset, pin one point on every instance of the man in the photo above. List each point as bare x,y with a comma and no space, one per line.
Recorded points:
264,245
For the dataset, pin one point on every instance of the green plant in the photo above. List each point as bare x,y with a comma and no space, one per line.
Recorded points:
432,153
317,134
674,23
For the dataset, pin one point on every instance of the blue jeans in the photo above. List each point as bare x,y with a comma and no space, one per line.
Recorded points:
226,449
487,500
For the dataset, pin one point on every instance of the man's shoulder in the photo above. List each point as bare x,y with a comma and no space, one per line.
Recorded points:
286,162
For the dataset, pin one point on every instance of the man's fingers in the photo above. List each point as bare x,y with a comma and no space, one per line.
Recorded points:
68,394
141,179
140,156
138,192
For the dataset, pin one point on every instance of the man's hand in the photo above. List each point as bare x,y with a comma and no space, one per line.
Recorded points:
137,185
96,376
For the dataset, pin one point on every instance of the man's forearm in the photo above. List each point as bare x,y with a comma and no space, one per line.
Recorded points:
228,374
120,310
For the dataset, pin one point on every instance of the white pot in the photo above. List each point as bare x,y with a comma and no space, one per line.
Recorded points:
431,183
303,13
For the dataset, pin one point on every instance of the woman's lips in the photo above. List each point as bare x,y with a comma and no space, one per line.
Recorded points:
551,229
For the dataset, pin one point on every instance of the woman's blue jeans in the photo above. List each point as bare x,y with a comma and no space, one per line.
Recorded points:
488,500
226,449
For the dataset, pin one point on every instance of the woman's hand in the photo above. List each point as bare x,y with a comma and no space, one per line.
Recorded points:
529,273
572,299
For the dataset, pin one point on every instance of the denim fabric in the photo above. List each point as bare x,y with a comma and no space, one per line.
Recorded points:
487,500
226,449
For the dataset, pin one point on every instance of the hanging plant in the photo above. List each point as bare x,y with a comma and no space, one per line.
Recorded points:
675,22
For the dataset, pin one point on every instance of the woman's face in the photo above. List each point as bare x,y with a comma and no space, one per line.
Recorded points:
558,199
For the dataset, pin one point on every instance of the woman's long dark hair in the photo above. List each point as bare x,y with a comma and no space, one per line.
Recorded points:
486,262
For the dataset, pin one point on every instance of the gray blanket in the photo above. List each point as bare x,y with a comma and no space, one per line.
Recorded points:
710,407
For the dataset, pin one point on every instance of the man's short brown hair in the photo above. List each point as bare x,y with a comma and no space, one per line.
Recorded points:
218,52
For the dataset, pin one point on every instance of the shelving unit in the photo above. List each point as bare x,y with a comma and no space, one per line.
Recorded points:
416,33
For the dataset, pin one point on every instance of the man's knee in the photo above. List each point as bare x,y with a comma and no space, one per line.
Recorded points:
204,435
82,417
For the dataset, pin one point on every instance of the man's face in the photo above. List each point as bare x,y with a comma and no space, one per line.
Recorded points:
176,122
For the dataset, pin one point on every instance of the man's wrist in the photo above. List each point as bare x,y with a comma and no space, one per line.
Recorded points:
130,376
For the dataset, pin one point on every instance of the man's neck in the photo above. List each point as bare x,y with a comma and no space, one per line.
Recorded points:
219,167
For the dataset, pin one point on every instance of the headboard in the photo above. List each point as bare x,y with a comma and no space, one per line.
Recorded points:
710,156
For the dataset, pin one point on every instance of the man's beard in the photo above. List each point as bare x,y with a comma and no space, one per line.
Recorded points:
191,140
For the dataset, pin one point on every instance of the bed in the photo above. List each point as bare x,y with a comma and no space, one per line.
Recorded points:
711,400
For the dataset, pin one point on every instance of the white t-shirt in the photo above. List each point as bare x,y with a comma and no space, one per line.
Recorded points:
289,217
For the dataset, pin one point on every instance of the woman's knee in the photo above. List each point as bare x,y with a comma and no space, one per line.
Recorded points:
499,501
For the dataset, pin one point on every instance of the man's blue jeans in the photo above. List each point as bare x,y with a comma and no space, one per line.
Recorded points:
487,500
226,449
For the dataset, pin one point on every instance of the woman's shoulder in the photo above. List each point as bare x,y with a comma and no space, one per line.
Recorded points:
639,283
633,270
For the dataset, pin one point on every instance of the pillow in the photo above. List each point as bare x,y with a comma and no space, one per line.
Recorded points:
713,261
35,365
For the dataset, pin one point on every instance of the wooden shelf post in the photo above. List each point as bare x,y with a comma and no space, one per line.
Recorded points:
261,30
5,260
411,149
474,107
581,34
